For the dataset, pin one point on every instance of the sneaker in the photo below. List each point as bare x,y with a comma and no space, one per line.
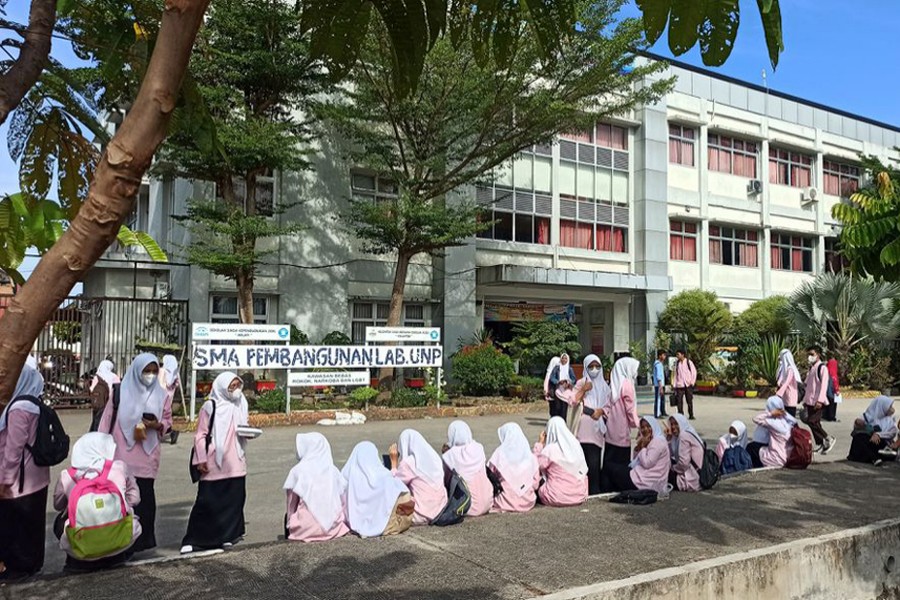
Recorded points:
878,462
691,418
227,546
829,445
187,549
818,449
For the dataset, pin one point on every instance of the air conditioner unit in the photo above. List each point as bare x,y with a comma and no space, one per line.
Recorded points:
161,290
754,187
810,195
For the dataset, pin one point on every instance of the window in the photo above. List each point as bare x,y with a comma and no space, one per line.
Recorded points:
611,136
683,241
265,192
790,168
375,314
792,253
681,145
224,309
519,201
734,156
375,188
835,261
840,179
735,247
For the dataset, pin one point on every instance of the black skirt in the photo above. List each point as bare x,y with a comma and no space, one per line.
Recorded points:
863,450
620,455
146,512
218,514
22,531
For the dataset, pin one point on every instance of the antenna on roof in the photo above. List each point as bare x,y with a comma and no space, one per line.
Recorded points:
765,80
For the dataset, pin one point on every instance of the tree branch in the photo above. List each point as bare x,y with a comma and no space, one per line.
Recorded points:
33,55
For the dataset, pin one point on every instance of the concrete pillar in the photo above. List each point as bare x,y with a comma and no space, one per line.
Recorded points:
459,314
621,325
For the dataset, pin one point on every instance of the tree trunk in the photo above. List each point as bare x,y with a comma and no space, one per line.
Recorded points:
112,193
245,296
32,59
395,312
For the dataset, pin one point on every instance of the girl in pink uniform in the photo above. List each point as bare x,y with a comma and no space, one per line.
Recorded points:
517,469
592,396
771,443
686,449
420,467
621,416
217,518
138,436
316,493
649,470
562,465
788,378
23,484
467,458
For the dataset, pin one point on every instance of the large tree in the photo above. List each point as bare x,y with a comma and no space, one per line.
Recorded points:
253,72
467,117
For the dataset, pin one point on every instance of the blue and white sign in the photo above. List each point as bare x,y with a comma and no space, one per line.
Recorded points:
403,334
329,378
227,332
229,358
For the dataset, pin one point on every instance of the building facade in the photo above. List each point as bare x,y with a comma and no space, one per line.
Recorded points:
722,185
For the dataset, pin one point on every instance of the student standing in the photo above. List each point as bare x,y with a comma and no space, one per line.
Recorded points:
771,443
685,378
621,415
217,518
467,458
659,385
873,432
592,395
378,503
421,469
562,465
549,390
562,382
142,418
788,379
517,470
23,484
649,470
102,391
316,493
816,399
686,450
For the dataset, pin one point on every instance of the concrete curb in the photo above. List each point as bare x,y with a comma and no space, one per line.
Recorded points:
853,563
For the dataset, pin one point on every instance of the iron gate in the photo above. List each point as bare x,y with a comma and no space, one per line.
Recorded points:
84,331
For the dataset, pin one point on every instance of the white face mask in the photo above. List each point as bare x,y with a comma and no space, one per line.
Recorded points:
148,379
593,372
733,437
811,359
236,394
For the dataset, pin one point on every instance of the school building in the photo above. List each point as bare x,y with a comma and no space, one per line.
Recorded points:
723,185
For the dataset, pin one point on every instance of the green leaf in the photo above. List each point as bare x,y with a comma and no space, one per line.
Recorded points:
719,31
771,20
656,15
17,201
150,246
684,25
126,237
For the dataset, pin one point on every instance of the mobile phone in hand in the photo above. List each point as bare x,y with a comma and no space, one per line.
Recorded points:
386,459
149,417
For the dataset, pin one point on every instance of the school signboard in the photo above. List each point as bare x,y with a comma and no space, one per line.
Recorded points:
328,378
216,332
225,358
403,334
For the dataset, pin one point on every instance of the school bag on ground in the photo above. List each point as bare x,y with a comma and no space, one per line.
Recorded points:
99,523
802,452
458,502
636,497
51,444
709,470
735,460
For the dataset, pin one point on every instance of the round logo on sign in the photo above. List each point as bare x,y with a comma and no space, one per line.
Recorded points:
284,333
434,334
201,332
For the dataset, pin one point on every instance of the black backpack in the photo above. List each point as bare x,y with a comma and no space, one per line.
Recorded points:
829,391
51,444
709,471
635,497
458,502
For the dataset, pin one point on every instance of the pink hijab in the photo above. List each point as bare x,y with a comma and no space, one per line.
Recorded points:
465,456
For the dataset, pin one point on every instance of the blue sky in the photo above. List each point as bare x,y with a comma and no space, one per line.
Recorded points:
837,53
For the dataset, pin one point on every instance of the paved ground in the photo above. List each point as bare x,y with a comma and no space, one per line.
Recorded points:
506,556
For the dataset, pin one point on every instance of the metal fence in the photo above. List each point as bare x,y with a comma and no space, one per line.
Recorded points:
85,331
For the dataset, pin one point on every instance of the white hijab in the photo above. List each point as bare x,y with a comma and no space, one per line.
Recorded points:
563,448
170,364
465,455
625,369
91,452
565,370
372,491
429,465
136,398
30,383
600,392
877,414
741,435
782,425
658,433
229,413
31,361
514,460
684,426
554,362
106,372
786,364
316,480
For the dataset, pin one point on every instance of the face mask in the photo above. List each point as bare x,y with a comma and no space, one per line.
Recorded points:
236,394
733,437
811,359
148,379
594,372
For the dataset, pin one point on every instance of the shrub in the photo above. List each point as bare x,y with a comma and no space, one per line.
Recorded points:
298,338
768,317
269,402
767,359
336,338
407,398
698,319
361,396
534,343
482,370
532,387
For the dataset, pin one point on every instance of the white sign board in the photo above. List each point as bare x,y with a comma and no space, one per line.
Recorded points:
234,332
318,378
225,358
403,334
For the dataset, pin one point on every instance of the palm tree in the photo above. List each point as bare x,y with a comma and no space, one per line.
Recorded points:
842,312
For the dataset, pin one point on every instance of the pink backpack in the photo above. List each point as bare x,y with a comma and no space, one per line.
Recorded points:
99,523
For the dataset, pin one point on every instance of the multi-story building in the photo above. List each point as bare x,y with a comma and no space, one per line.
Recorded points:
722,185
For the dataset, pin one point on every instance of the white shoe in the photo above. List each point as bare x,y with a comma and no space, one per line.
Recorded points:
818,449
227,546
187,549
829,445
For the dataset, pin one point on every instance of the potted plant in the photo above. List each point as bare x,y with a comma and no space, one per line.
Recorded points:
706,386
264,384
417,382
204,385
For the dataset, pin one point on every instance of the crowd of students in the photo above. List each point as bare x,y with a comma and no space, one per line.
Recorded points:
375,495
